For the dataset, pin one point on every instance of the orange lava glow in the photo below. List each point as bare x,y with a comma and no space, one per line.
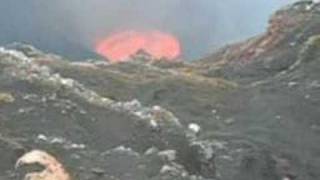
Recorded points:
120,46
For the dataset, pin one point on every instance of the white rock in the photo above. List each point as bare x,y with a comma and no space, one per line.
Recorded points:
156,108
67,82
194,127
166,169
214,111
169,155
292,84
57,140
153,123
150,151
123,149
78,146
42,137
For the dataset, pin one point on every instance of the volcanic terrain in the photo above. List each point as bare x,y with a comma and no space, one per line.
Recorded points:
249,111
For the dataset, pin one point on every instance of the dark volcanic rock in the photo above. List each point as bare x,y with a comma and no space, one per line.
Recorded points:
250,111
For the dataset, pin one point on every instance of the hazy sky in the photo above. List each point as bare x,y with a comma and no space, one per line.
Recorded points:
72,26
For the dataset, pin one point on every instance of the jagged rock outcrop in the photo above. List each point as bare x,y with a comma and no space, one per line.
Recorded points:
53,169
274,51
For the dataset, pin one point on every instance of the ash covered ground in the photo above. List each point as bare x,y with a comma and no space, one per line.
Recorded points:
248,111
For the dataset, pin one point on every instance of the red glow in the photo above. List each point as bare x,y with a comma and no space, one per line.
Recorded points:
120,46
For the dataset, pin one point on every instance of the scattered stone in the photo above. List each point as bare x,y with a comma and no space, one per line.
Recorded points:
229,121
25,110
78,146
6,98
292,84
314,84
195,128
60,141
204,148
98,171
42,137
151,150
214,111
122,150
168,155
174,169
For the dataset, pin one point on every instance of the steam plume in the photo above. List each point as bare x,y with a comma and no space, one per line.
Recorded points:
73,26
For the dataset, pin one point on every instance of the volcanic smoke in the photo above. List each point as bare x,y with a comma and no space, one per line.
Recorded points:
121,45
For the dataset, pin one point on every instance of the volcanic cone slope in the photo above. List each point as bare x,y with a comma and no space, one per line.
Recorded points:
249,111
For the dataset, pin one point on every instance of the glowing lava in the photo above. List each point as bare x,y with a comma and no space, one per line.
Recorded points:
120,46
